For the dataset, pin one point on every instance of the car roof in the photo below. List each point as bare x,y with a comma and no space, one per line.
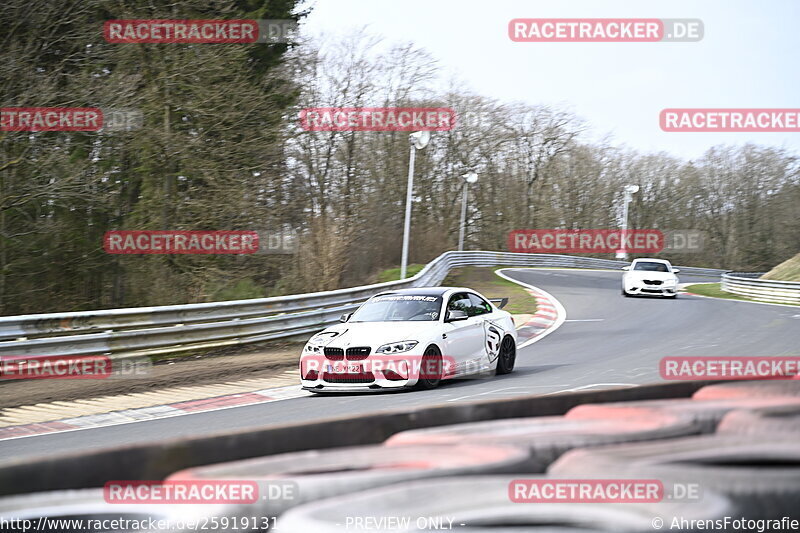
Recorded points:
652,260
427,291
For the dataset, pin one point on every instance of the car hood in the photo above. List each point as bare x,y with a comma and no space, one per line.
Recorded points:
378,333
643,274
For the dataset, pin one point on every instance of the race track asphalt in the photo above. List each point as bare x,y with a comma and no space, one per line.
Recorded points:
606,341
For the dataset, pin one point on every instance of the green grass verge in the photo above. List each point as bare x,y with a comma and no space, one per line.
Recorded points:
393,274
713,290
789,270
486,282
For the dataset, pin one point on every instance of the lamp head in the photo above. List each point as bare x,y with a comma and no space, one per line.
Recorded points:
420,139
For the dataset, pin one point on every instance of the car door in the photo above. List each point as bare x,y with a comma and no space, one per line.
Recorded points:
492,332
464,338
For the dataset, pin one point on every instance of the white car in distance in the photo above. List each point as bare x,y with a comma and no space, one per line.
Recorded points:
652,277
411,338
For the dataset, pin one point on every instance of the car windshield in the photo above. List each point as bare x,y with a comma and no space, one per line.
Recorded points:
398,308
651,266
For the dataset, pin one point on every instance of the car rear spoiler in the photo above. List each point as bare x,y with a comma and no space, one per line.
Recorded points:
499,302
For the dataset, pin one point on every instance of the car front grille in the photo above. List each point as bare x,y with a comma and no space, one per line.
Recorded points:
362,377
357,353
653,282
335,354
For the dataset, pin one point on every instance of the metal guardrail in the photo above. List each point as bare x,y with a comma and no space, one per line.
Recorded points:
749,285
173,328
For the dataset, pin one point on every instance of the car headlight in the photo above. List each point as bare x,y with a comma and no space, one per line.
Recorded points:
397,347
316,343
314,349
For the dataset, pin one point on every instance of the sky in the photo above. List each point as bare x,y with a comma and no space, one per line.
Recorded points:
748,58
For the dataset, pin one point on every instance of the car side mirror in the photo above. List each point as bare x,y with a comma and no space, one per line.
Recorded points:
626,268
456,314
676,270
345,317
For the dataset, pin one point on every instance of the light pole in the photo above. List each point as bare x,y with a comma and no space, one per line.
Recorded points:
472,177
418,140
630,190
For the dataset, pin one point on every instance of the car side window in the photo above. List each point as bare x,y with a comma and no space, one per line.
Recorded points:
479,305
460,302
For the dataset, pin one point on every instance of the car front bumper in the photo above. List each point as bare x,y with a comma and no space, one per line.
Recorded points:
651,290
381,384
374,375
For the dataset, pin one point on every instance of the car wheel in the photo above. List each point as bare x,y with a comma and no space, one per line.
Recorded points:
625,293
507,356
431,369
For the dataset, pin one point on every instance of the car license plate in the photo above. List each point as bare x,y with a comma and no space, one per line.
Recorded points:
342,368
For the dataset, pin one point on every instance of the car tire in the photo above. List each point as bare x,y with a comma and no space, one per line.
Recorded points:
706,414
731,465
321,474
749,389
507,356
775,420
485,504
431,359
549,437
625,293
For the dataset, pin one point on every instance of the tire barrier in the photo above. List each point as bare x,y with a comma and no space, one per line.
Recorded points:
549,437
706,414
156,460
749,389
483,504
50,511
763,421
756,472
760,476
316,475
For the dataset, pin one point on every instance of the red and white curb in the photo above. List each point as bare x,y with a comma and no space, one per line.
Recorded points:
129,416
550,314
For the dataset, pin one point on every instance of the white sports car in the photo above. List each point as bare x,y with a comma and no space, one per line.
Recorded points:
411,338
650,276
